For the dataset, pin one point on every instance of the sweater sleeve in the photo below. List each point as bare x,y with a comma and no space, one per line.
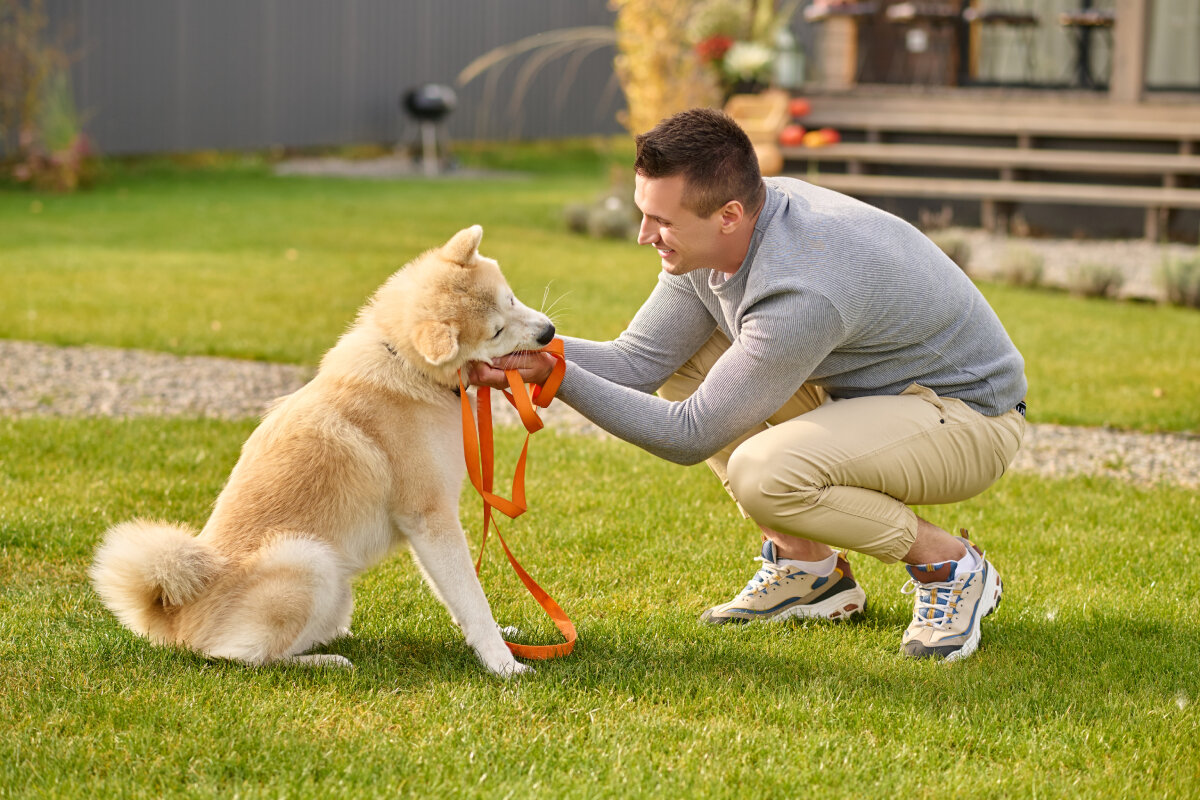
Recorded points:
666,331
782,340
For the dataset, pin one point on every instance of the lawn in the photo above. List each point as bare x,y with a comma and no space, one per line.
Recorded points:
1086,684
235,262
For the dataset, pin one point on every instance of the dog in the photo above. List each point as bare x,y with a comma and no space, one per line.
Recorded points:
365,457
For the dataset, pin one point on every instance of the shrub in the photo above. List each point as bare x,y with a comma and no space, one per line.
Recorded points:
1180,279
611,216
659,71
929,220
39,126
609,221
1093,279
576,216
1022,267
955,246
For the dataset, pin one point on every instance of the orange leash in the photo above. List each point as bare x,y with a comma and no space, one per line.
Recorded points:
479,452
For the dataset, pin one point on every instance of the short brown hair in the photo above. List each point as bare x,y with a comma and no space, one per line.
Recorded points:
712,153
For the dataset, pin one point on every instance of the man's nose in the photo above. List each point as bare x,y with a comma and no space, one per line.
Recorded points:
646,232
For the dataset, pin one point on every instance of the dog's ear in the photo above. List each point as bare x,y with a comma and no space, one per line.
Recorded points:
463,246
437,342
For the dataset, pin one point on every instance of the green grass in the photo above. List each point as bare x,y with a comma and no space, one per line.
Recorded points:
1086,684
235,262
1098,362
229,260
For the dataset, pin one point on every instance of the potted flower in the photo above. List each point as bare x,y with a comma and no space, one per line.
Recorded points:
737,38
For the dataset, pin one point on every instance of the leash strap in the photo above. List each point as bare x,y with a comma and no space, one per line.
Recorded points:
479,451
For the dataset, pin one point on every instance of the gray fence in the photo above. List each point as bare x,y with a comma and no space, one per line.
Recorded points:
180,75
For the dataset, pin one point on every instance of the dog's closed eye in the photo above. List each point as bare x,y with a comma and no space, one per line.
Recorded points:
496,335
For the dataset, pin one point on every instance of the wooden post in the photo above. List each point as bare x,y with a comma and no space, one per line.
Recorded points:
987,215
1128,80
1152,230
839,52
974,39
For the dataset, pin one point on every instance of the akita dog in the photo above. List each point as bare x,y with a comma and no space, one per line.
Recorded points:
366,456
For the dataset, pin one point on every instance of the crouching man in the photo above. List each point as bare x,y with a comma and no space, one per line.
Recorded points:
832,365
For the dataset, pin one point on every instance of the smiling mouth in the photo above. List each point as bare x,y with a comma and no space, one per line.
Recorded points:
663,252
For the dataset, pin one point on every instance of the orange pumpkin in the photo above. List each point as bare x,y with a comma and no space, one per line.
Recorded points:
792,136
799,107
821,137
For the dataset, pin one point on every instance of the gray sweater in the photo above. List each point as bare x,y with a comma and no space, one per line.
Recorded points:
832,291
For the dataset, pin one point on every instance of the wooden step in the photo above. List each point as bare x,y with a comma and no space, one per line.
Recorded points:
1007,103
1064,126
1125,163
1009,191
994,195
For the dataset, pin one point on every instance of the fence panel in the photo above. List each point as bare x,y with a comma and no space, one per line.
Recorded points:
179,75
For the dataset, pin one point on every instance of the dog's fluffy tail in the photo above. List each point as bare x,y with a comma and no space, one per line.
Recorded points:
144,570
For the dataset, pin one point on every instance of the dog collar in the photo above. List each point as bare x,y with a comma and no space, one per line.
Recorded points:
392,351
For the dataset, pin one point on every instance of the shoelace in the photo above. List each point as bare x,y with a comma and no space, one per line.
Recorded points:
927,601
768,573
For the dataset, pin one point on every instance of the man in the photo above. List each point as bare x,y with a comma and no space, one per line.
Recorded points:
831,364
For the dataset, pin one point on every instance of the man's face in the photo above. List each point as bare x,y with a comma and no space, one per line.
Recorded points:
684,241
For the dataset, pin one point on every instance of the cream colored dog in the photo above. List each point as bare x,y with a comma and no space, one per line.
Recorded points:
364,457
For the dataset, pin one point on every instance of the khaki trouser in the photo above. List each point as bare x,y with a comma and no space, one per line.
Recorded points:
844,472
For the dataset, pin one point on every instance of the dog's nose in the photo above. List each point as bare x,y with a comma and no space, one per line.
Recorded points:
546,335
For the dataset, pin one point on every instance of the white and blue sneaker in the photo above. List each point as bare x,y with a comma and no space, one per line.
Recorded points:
952,598
778,592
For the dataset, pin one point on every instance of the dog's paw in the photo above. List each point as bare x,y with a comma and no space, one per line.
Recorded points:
511,670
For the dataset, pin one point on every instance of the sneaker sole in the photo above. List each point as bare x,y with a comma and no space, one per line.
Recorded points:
837,608
841,606
991,601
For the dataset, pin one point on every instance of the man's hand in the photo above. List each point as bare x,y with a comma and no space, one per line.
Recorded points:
534,367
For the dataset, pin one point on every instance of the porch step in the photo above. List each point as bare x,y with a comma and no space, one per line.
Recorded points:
879,116
1005,149
968,157
1012,191
1155,199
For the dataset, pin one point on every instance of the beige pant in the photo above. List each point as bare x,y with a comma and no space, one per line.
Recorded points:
843,472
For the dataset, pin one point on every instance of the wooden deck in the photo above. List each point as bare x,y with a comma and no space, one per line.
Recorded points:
1008,148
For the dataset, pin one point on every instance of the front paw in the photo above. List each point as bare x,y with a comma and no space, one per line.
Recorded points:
510,669
495,655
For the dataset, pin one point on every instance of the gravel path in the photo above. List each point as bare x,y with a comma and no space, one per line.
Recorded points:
42,380
1138,261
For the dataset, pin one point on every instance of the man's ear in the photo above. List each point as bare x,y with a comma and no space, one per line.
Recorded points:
437,342
463,246
732,215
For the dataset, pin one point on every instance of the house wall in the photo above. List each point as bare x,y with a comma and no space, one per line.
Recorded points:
1044,55
181,75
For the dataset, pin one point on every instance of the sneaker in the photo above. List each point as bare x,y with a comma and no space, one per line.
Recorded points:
778,592
950,604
